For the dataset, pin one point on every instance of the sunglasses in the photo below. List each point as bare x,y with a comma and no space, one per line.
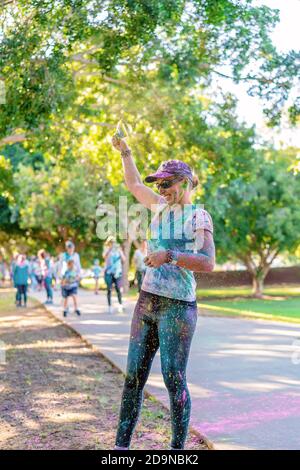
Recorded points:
167,183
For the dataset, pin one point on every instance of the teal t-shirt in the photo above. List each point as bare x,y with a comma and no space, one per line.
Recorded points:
97,271
21,274
174,228
113,264
70,278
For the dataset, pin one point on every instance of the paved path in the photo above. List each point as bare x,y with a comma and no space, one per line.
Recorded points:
243,375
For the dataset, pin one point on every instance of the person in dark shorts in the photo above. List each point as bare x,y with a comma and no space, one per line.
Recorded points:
69,286
70,254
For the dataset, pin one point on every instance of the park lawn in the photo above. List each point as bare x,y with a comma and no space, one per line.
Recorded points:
237,301
56,392
279,308
89,284
289,290
6,301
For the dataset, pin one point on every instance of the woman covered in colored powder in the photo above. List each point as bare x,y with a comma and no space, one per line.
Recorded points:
165,316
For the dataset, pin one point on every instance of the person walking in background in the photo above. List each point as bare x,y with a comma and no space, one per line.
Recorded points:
46,268
20,277
55,271
11,269
69,285
96,273
33,281
70,253
38,273
2,271
113,256
140,267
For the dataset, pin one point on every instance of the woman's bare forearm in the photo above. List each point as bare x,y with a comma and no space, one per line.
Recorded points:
131,173
198,262
204,260
133,180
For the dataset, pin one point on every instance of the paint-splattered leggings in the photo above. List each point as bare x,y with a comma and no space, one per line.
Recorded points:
168,324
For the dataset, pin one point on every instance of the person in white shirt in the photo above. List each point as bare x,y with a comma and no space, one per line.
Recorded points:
70,253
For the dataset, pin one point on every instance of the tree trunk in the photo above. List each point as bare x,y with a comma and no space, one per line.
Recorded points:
258,286
259,272
258,279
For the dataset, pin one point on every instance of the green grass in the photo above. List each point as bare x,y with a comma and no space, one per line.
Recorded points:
229,301
290,290
90,285
284,309
7,301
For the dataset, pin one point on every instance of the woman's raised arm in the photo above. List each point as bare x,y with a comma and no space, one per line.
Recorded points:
133,181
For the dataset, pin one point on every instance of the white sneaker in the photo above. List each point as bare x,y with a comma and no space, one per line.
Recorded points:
109,309
120,308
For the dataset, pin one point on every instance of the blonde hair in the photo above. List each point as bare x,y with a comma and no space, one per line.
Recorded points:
191,185
109,240
195,181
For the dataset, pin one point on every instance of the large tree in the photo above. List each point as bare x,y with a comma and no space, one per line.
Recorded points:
72,68
58,198
258,218
45,43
